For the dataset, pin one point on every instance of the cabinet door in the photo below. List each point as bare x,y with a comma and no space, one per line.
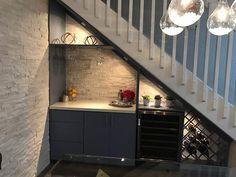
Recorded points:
96,134
66,133
123,135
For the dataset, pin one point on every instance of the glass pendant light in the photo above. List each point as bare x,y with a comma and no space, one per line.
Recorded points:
168,27
185,12
233,7
221,22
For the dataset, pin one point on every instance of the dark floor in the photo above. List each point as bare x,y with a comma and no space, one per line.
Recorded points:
76,169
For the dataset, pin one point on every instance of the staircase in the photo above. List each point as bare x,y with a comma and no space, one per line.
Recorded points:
163,65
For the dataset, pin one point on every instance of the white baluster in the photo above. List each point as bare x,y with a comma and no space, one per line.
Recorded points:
217,63
96,9
227,76
185,56
173,61
86,4
163,40
108,16
194,74
140,38
130,34
207,54
151,41
118,23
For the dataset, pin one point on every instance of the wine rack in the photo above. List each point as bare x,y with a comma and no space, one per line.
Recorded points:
201,143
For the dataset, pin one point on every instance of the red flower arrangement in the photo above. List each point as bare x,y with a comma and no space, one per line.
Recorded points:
128,95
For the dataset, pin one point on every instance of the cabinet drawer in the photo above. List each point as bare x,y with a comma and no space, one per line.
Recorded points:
66,131
96,120
66,116
59,149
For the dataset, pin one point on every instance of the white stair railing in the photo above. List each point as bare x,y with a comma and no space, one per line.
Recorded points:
130,21
118,18
96,8
173,60
217,65
205,77
163,41
149,51
140,36
195,60
227,76
151,45
86,4
184,65
108,16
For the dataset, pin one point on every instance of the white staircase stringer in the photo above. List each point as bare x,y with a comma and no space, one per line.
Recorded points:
164,75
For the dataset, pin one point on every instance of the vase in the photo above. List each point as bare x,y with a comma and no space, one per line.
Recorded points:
145,102
65,98
157,103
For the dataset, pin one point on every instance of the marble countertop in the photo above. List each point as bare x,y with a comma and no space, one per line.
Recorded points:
86,105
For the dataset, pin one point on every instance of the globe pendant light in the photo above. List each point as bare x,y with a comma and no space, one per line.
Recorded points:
185,12
168,27
221,22
233,7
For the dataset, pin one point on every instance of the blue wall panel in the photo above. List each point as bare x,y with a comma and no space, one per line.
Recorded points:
191,43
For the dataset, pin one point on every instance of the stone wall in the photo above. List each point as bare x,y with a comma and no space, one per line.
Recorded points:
23,87
146,87
98,74
78,30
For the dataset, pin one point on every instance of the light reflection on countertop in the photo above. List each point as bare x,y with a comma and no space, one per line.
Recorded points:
91,105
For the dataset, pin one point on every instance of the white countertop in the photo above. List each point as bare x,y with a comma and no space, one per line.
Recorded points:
86,105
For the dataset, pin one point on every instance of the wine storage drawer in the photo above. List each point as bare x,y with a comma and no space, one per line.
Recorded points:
160,135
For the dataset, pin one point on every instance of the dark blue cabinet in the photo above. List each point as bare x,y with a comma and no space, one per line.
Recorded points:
96,134
123,135
66,133
92,133
110,134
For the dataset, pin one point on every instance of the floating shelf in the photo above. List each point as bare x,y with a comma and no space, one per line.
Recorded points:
83,46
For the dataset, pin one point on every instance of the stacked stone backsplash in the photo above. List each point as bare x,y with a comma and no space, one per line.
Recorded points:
98,74
24,87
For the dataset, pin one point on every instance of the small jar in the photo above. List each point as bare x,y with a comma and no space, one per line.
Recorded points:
157,101
65,98
120,96
146,102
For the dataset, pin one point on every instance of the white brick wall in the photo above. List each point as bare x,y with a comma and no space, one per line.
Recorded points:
23,87
94,81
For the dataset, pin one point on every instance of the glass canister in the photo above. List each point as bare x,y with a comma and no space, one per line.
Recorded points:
157,101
